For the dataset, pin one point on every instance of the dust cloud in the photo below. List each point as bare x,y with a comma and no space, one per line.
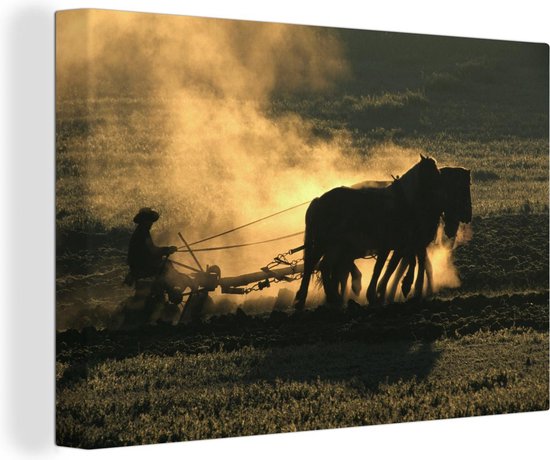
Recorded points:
445,274
102,53
198,141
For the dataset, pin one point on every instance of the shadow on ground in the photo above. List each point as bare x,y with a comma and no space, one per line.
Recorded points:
360,365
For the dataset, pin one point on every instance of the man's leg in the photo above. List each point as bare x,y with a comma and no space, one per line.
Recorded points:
175,282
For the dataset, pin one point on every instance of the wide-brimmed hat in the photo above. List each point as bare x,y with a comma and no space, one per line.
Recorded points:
146,215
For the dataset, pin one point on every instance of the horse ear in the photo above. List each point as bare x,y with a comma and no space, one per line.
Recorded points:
422,157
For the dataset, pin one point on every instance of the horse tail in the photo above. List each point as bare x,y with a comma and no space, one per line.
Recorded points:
311,251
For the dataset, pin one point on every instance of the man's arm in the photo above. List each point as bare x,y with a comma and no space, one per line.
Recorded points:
159,250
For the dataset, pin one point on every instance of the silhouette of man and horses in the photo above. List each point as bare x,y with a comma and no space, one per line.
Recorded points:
345,224
342,225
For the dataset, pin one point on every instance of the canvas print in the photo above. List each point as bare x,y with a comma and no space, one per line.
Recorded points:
265,228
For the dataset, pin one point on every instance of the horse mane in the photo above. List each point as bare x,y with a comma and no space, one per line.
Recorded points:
411,181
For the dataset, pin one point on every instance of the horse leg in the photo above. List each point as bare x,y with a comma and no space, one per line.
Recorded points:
419,284
340,275
355,279
398,275
342,281
392,265
429,275
329,279
409,277
345,269
371,291
310,261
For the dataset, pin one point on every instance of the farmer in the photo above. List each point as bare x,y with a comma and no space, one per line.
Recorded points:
149,261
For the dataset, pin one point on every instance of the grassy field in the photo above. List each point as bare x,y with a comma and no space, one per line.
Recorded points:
478,349
240,375
150,398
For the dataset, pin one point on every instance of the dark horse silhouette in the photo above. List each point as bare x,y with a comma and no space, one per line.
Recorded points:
345,224
456,207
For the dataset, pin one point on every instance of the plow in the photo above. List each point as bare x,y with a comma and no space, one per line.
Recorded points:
279,269
203,280
208,279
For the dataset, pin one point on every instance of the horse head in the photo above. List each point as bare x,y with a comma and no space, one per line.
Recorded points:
428,173
458,201
421,183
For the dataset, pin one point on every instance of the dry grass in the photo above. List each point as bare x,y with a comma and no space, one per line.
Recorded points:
151,399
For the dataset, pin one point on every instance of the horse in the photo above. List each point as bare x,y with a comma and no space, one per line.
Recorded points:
456,208
344,224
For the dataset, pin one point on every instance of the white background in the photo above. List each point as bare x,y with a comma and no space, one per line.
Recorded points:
27,234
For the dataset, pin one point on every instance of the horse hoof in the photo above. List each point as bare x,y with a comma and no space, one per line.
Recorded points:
374,300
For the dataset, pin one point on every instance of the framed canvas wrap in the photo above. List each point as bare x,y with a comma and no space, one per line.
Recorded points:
264,228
